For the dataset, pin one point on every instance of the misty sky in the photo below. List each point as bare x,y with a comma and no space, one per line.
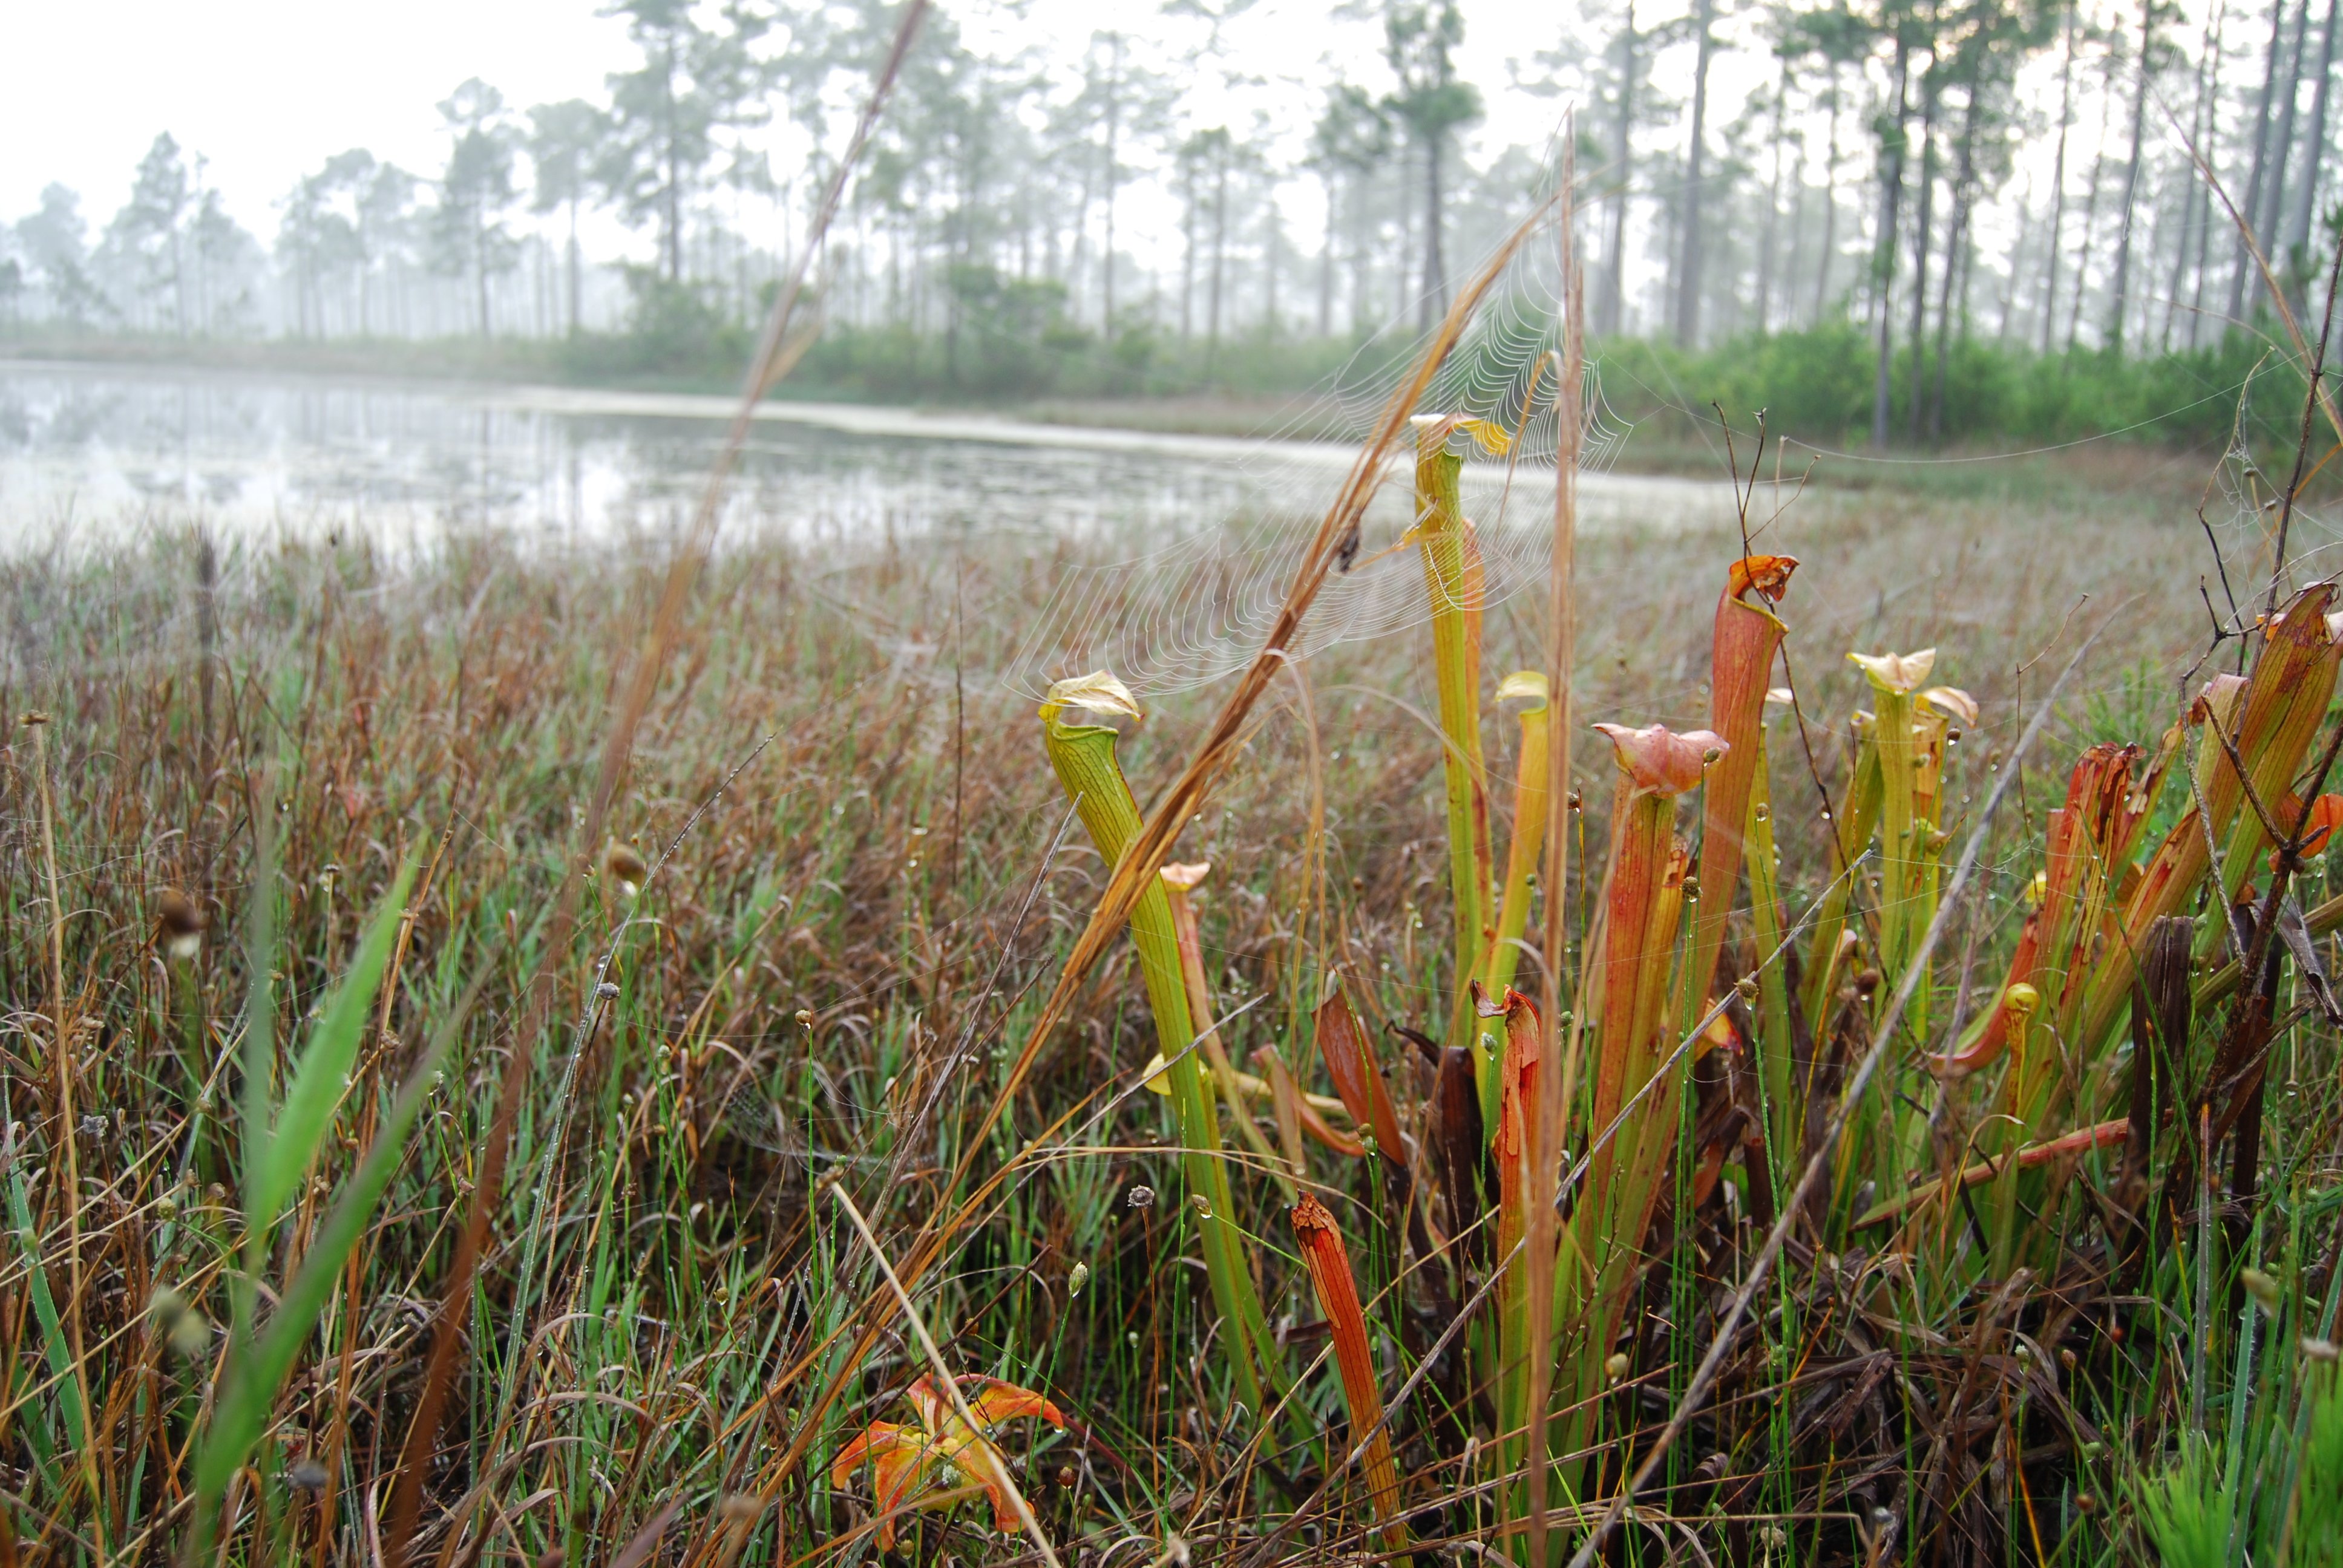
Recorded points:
265,90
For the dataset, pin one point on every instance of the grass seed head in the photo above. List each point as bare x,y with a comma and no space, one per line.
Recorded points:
178,925
2263,1288
626,867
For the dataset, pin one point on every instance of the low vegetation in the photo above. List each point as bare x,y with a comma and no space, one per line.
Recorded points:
2014,1175
1017,350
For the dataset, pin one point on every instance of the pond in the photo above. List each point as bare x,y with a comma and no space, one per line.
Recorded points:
87,452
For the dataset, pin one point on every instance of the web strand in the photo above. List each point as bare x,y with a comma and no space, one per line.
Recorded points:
1194,610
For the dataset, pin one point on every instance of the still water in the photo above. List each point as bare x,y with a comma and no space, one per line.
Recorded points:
89,454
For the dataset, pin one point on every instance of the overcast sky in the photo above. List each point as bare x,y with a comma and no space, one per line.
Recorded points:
265,90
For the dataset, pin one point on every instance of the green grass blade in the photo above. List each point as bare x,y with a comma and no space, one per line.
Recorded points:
250,1387
322,1077
54,1350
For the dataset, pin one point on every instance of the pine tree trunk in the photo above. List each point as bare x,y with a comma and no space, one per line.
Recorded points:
1830,209
1220,255
2314,142
672,197
1114,174
2122,302
2058,188
1689,259
1400,268
2268,222
1772,207
1271,245
1609,305
573,266
1326,263
1883,262
2016,255
1955,239
1434,304
1188,267
1796,228
2192,188
2090,227
1959,264
2242,274
1924,212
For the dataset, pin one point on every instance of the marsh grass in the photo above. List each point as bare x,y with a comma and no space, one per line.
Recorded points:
831,958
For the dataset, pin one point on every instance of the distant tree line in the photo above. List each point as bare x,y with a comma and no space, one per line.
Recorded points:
1914,180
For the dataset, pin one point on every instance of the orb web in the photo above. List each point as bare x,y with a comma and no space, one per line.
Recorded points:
1197,606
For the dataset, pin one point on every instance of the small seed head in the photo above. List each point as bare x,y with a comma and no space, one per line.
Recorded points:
2262,1288
181,1322
179,924
626,867
1140,1198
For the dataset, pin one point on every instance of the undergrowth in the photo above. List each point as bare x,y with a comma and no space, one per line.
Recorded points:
309,813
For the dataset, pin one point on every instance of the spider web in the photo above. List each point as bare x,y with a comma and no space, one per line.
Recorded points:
2244,507
1198,609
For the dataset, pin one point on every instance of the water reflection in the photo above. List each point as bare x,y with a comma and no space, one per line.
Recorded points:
91,454
84,453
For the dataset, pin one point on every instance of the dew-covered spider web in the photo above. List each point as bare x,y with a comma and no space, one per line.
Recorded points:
1198,607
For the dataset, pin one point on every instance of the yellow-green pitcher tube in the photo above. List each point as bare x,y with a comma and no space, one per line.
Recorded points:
1083,758
1452,578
